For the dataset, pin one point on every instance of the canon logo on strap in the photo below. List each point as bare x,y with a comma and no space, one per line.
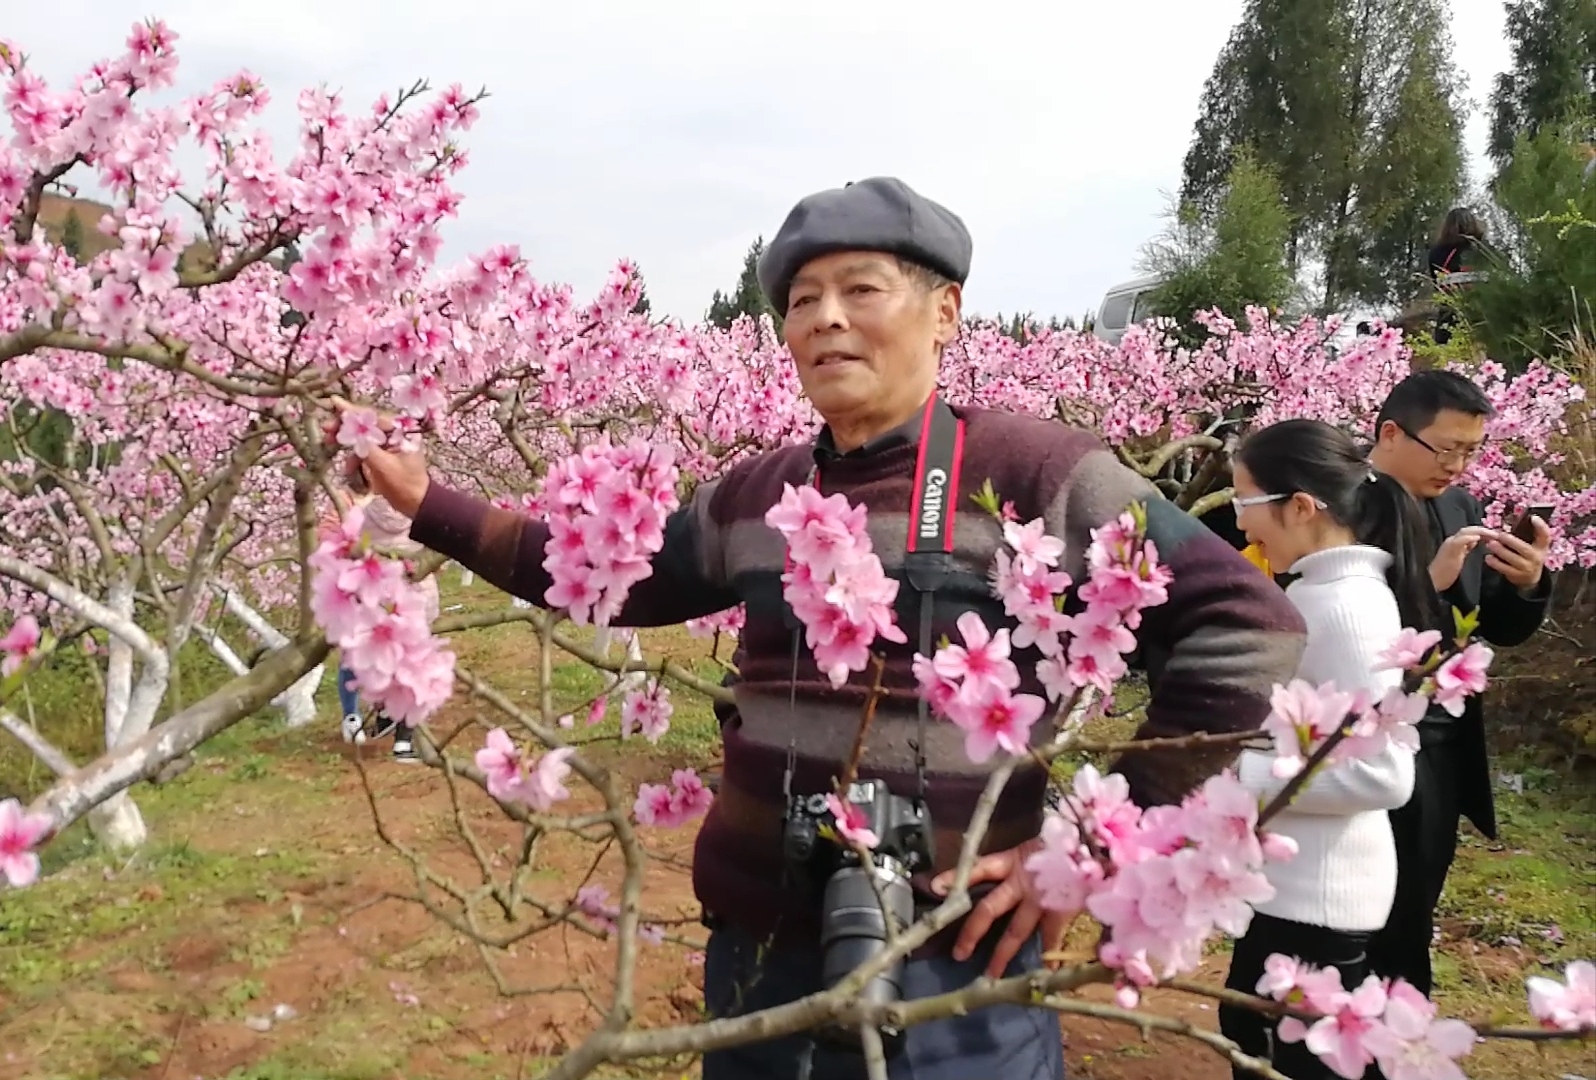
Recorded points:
936,486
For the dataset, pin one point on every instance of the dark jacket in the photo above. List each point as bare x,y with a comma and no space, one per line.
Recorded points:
1507,618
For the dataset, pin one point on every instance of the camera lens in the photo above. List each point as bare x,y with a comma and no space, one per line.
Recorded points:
853,928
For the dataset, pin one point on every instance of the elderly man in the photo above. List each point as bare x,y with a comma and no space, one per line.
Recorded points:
869,277
1429,428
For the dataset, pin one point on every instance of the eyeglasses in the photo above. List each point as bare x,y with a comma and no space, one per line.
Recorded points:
1238,505
1454,457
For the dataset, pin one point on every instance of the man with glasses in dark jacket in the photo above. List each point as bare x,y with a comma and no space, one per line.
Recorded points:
1430,429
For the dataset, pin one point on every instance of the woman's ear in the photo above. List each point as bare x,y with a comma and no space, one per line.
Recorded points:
1304,504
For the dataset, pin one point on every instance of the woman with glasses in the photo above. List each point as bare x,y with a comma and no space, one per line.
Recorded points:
1358,546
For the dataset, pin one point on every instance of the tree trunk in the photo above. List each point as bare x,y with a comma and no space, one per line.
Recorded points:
99,782
117,823
298,702
603,637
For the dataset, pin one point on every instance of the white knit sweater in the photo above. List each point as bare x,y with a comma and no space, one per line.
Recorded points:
1344,874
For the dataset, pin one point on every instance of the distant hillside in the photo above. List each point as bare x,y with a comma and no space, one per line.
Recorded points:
55,210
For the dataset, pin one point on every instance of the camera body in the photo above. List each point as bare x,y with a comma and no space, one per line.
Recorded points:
852,921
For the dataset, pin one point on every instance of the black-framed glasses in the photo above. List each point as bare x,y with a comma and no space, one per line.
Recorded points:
1460,458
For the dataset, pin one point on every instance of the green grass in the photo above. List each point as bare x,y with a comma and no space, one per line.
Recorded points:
1530,896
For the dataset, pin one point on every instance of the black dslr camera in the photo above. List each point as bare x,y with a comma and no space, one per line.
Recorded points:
852,924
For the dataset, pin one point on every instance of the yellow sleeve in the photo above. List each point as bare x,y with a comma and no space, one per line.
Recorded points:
1254,555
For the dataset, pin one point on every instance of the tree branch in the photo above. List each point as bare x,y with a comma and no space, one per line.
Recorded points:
83,605
40,747
669,669
75,795
1148,1023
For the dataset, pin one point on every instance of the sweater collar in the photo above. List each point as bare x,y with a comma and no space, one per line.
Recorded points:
1332,564
905,434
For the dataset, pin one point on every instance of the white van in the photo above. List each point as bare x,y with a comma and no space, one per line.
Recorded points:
1124,306
1127,304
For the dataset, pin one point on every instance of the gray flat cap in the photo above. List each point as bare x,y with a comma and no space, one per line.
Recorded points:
879,214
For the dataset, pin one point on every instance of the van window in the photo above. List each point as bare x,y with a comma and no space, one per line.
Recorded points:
1143,308
1116,310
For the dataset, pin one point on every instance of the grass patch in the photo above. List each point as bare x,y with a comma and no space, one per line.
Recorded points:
1527,900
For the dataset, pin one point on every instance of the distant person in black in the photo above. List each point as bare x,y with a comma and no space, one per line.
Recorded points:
1430,428
1456,251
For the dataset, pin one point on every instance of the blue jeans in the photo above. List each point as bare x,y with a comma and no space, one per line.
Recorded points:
1010,1042
348,699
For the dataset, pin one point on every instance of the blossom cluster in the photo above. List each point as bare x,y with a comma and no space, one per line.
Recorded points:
382,622
667,806
729,622
647,711
1303,717
973,684
1379,1021
20,833
834,580
593,901
606,508
18,644
1162,880
1388,1023
1569,1005
514,777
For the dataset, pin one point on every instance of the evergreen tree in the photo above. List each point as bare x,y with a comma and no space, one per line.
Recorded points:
1553,77
747,298
72,235
1412,174
1027,327
1542,285
1230,257
1353,105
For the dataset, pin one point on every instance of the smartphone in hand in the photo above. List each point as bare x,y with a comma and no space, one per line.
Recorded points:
1524,528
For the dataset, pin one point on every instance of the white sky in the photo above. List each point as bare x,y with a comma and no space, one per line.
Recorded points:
674,131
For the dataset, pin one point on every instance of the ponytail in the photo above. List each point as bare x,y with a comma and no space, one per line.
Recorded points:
1387,517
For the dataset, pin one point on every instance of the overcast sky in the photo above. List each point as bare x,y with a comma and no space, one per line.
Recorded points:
674,131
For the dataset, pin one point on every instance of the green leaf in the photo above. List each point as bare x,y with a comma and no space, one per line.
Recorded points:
987,499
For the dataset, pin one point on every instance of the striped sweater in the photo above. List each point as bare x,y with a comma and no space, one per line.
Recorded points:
1212,651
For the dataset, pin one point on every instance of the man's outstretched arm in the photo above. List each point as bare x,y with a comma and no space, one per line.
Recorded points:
508,549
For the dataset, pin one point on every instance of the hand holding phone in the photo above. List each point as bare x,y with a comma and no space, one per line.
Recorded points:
1524,528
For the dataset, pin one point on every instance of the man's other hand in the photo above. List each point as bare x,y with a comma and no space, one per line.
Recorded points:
1448,561
400,478
1519,562
1016,892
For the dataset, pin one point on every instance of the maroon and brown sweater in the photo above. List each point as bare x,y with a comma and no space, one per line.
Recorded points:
1212,653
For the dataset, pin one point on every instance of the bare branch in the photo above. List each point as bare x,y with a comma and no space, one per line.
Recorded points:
75,795
53,758
84,606
1148,1023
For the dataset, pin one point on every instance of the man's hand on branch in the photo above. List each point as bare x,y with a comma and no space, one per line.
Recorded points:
1016,892
399,477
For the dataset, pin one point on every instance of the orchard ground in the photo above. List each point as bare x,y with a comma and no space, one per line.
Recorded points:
266,885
